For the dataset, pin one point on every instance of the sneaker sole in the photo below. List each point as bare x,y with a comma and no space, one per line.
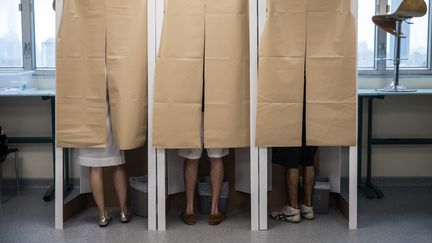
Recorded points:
293,222
308,218
285,220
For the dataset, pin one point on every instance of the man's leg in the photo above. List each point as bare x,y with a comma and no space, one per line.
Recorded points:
190,173
306,209
292,185
290,158
290,212
216,180
307,162
190,180
308,184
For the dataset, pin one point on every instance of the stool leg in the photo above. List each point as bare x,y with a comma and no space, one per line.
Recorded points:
17,171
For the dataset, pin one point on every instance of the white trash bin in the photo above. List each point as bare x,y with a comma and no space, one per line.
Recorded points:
139,195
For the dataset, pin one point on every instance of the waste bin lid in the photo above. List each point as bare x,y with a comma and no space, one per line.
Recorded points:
140,183
322,185
322,179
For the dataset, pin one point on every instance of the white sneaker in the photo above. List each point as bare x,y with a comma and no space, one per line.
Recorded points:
287,213
306,212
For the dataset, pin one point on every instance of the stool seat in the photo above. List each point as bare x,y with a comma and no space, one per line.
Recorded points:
9,151
406,10
12,150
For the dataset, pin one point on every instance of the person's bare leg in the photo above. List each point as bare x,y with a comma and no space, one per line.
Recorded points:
190,180
96,184
292,185
308,184
120,185
216,180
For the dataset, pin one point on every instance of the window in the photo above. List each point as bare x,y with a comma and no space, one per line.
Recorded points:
27,35
376,47
414,48
366,35
11,53
44,34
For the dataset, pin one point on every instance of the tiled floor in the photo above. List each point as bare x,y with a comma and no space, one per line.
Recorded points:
404,215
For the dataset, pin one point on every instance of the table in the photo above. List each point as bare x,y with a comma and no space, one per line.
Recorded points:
45,95
371,190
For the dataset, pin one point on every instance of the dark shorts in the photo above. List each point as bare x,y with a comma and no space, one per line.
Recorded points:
292,157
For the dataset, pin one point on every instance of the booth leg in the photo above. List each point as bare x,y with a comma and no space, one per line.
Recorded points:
161,189
353,188
152,189
59,188
263,188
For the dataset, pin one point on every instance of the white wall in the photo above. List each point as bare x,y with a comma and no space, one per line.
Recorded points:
399,116
29,116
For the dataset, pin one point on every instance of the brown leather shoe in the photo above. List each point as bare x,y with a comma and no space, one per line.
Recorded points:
406,10
215,219
188,219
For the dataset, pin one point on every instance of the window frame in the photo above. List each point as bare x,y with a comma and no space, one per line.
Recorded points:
26,7
380,68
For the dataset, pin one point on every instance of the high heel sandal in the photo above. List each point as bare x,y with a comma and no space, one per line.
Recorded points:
104,221
124,217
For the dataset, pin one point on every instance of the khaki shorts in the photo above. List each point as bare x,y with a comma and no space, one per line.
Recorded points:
195,153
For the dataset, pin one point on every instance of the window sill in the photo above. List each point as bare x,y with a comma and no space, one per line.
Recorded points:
412,81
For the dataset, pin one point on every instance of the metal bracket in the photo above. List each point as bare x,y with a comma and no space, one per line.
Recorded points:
27,50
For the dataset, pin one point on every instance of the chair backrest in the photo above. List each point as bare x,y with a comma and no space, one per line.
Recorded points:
3,145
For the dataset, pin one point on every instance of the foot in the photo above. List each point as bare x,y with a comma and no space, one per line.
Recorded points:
104,220
124,217
188,219
215,219
287,213
306,212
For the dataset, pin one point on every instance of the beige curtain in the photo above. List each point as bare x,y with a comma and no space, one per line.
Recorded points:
307,44
102,48
203,59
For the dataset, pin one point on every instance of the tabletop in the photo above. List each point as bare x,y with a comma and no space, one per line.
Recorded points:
361,92
27,92
373,92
